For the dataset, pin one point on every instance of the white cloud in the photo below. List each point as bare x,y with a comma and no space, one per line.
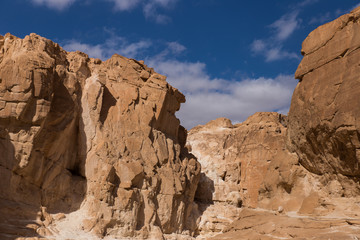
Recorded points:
209,98
111,46
54,4
306,2
329,16
320,19
271,51
272,48
150,8
125,5
285,26
258,46
277,53
176,47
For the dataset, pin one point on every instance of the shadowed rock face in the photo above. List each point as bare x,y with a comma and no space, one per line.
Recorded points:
102,137
324,118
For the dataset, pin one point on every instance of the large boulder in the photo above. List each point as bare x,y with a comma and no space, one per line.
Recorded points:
89,146
324,117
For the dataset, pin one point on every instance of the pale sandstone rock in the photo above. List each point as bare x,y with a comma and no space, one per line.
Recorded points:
312,184
260,224
268,176
235,159
245,165
79,134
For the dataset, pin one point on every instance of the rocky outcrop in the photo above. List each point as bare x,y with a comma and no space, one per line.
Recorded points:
245,165
324,118
89,147
236,158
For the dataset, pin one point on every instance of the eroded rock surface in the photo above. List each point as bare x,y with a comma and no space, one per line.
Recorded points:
245,165
92,146
236,158
301,174
324,118
267,225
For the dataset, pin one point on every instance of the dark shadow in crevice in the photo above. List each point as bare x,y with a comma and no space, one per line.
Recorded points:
108,101
205,190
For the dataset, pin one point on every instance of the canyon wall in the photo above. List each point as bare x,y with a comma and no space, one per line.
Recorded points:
305,165
100,139
92,149
324,117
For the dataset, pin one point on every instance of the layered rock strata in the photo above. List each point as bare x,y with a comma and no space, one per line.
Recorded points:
99,138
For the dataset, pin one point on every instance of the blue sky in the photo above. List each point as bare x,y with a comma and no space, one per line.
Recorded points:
230,58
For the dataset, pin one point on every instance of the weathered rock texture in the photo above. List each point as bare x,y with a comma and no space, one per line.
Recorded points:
102,137
324,118
246,165
304,168
266,225
236,158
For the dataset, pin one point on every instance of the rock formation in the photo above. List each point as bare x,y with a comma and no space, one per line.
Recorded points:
306,165
245,165
90,146
93,150
235,158
324,118
249,163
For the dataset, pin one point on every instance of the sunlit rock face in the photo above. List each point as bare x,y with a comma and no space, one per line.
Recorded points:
301,173
246,165
324,118
90,146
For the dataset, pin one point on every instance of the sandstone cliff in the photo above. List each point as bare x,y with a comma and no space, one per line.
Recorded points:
93,150
89,148
324,117
305,166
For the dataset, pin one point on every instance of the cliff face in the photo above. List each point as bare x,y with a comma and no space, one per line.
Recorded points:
324,118
306,165
90,138
237,157
93,150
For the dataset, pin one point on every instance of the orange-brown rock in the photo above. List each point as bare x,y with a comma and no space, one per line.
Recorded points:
89,147
324,117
